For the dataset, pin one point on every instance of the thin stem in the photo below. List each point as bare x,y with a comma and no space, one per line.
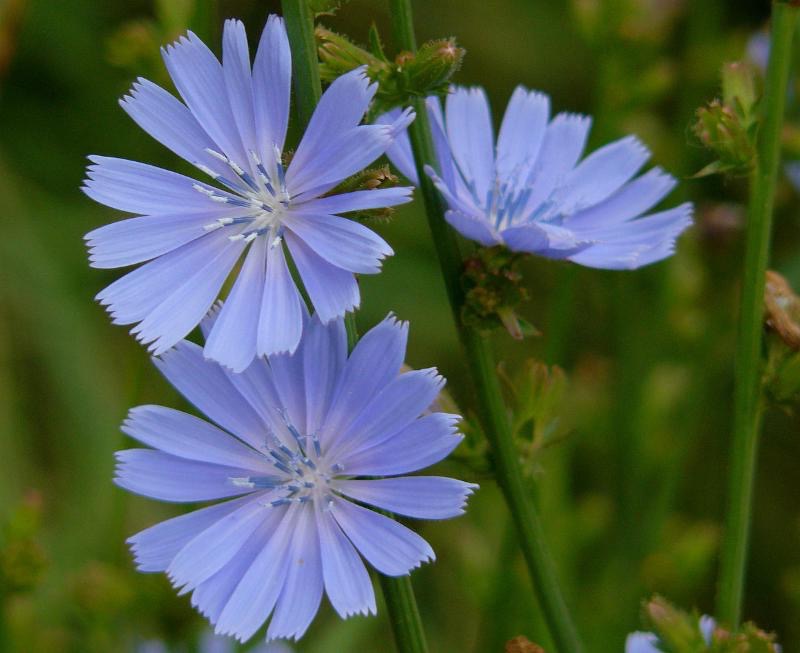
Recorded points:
491,408
748,353
305,67
398,592
406,622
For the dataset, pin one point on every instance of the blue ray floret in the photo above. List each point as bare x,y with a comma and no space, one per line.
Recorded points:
190,233
532,192
302,445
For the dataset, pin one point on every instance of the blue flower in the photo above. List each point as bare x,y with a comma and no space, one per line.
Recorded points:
232,127
648,642
294,440
532,192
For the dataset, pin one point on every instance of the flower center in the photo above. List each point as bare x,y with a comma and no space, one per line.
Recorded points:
302,473
260,195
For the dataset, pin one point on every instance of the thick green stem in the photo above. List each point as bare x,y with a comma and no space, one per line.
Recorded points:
398,592
406,622
747,394
491,408
305,67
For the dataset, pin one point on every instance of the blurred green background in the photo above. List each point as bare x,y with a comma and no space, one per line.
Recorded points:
632,485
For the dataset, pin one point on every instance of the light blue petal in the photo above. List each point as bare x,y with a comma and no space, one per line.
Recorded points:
347,582
638,243
272,76
601,173
324,358
169,478
396,406
133,297
257,386
630,201
238,81
141,188
232,340
563,144
340,109
333,291
471,136
302,591
341,242
208,388
155,547
473,228
168,120
336,158
641,643
186,436
399,152
199,79
423,497
359,200
188,301
287,374
211,596
210,550
707,626
140,239
424,442
447,168
521,133
254,597
388,546
280,324
373,363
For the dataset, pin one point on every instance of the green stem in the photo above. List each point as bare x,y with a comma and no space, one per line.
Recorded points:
491,408
748,353
406,622
398,592
305,67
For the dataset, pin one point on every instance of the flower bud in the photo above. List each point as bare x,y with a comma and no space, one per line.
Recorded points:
680,632
740,90
430,70
721,130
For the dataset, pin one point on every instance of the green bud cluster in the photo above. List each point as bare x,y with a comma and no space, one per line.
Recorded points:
679,632
728,127
536,394
408,75
493,289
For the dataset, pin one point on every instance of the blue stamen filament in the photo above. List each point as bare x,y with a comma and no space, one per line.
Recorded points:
254,192
301,473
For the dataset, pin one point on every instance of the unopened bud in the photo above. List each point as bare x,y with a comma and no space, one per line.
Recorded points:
740,90
678,630
725,133
339,55
432,67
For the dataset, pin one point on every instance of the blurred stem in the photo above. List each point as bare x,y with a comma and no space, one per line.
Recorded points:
559,322
747,402
491,408
398,592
